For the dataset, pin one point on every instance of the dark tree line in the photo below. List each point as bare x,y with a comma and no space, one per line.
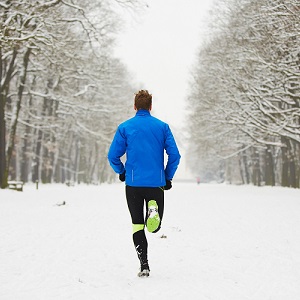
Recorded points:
62,92
245,95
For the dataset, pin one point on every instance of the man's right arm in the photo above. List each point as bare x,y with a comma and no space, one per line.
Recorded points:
116,151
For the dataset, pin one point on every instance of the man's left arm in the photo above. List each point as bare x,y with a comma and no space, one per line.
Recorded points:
173,155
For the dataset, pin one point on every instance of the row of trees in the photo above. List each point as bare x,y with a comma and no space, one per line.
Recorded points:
245,95
62,92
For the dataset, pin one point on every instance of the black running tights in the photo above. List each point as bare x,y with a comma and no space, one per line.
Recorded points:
137,197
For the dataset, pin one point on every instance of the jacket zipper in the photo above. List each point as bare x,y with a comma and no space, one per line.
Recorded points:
132,175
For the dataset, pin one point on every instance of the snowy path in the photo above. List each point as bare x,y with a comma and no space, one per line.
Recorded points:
223,243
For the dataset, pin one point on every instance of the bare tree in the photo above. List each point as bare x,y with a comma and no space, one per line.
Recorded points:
63,88
248,84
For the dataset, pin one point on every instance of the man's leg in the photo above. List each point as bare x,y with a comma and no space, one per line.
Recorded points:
135,201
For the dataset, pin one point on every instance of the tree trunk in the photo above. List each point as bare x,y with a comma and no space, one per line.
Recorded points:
269,167
256,175
293,164
2,143
285,164
3,93
37,155
25,162
12,135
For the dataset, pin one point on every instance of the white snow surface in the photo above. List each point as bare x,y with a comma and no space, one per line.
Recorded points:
217,242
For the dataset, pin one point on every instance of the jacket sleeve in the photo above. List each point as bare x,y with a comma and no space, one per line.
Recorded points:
173,154
116,151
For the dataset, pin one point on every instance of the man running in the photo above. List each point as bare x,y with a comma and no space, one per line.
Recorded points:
144,139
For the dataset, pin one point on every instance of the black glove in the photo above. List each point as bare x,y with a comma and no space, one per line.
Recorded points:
168,185
122,176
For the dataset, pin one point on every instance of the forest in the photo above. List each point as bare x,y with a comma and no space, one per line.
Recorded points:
244,97
62,92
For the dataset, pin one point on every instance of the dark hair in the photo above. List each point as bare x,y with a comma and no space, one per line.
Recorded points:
143,100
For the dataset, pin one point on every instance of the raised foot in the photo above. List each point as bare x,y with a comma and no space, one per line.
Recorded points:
153,219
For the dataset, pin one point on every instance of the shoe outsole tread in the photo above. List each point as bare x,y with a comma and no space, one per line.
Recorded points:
144,273
153,219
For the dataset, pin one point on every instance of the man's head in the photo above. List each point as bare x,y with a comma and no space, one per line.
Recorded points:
143,100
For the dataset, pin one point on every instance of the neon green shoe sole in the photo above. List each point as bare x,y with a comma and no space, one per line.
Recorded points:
153,219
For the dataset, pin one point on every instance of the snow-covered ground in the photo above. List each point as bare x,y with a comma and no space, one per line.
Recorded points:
217,242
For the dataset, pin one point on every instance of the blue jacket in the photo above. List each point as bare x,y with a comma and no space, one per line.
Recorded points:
144,138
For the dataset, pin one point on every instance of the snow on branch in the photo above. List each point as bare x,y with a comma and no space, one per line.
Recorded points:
49,4
84,90
104,137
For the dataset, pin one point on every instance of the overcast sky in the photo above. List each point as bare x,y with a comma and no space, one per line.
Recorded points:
159,49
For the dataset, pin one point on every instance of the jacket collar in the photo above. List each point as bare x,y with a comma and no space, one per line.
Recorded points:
143,112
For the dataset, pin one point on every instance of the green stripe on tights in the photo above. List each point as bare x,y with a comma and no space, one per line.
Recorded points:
137,227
